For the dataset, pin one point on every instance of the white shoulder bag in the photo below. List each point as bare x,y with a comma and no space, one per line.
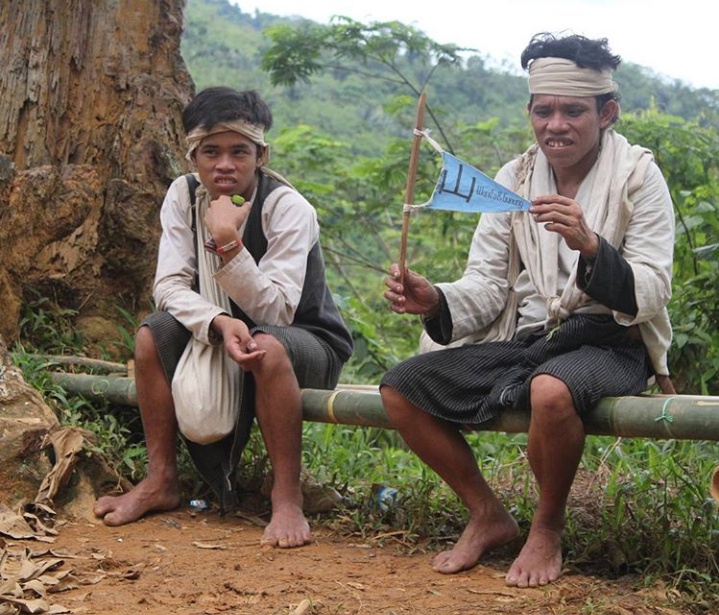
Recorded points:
207,385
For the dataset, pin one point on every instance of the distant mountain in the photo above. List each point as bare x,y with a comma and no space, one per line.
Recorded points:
224,45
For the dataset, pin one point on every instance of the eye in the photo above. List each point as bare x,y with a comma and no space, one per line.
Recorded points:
241,151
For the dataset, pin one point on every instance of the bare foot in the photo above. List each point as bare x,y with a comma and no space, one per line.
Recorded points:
540,560
480,536
148,495
288,528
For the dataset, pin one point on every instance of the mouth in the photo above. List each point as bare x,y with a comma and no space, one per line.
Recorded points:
558,143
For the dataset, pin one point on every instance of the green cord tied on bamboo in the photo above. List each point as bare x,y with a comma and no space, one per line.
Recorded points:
665,416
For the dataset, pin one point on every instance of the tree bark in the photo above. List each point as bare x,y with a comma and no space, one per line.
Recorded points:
90,138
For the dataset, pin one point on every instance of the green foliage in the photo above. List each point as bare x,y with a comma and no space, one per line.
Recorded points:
295,53
688,155
127,333
388,52
338,77
221,44
44,324
36,372
117,434
655,511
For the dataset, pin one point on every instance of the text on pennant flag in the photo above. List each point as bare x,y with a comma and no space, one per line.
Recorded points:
461,187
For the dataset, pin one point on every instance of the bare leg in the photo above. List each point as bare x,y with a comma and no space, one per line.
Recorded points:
159,490
443,448
278,407
556,442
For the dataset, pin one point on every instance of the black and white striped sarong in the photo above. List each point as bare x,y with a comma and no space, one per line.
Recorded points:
592,354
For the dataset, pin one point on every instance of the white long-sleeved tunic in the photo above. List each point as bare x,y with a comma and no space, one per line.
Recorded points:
268,292
480,295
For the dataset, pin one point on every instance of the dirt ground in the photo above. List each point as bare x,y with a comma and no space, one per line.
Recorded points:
184,562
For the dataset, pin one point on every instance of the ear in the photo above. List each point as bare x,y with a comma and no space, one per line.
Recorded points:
263,156
609,113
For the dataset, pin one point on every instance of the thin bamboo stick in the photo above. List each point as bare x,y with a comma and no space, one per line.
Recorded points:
105,366
409,191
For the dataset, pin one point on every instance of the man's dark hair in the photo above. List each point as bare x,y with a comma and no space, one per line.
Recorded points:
584,52
223,104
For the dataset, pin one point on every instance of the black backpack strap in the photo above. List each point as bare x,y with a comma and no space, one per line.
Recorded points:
192,184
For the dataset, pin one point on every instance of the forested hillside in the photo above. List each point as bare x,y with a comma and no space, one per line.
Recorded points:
224,45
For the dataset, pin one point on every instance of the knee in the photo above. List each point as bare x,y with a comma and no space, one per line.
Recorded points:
145,347
396,406
551,399
276,357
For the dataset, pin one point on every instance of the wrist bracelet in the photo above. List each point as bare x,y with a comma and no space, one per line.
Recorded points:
227,247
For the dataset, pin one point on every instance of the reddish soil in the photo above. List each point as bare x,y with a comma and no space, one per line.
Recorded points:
183,563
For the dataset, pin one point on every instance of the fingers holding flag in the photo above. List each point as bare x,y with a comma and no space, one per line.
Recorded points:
460,187
562,215
412,295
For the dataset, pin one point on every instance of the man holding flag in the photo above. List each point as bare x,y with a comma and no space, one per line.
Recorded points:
558,306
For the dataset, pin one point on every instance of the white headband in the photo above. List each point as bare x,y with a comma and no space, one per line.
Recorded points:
253,132
561,77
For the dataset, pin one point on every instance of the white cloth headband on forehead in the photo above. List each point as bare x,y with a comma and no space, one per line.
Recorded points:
252,131
562,77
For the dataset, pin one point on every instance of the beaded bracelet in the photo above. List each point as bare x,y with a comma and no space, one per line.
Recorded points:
227,247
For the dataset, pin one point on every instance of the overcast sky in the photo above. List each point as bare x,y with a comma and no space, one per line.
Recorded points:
674,39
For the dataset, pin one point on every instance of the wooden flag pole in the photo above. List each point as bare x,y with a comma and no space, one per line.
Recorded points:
409,192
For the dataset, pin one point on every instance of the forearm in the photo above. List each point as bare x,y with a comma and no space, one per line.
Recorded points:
438,322
263,299
608,279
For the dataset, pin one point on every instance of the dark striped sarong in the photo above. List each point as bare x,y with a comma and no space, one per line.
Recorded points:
315,363
592,354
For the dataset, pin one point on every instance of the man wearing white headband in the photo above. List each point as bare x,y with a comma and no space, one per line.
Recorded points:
239,269
557,308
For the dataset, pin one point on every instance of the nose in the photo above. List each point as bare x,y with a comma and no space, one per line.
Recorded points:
556,122
224,161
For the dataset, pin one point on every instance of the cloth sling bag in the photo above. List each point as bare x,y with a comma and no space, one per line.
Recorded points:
215,414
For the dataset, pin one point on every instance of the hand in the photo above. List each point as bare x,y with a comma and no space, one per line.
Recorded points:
223,218
563,215
239,344
415,296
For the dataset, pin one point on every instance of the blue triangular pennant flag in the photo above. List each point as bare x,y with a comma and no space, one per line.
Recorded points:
461,187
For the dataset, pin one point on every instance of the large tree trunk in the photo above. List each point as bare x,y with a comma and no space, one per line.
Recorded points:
90,137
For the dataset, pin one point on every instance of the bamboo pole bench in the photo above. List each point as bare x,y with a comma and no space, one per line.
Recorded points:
654,416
